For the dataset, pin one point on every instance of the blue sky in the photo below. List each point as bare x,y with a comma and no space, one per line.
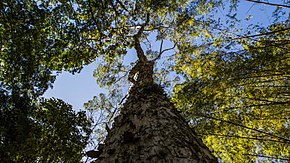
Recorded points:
79,88
75,89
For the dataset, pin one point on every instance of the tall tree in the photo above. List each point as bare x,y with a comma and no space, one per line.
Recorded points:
33,44
218,86
126,24
205,67
149,128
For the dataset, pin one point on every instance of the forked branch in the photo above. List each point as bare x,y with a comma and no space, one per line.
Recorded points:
162,51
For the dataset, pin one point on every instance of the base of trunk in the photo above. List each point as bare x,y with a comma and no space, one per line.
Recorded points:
150,129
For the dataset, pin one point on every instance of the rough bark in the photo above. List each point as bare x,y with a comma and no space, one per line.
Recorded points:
149,129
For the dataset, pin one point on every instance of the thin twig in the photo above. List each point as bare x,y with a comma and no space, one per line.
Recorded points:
272,157
122,5
262,34
161,44
242,137
249,128
270,4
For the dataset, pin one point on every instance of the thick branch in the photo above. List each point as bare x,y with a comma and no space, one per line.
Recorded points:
270,4
140,52
137,46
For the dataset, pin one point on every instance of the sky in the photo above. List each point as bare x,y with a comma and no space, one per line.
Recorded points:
79,88
75,89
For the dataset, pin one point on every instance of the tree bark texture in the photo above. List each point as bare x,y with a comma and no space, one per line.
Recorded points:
150,130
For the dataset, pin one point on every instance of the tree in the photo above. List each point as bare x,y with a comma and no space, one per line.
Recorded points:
215,85
209,97
33,128
149,128
50,132
129,29
242,100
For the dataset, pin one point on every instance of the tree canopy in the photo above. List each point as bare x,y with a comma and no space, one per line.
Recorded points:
241,99
232,81
34,45
227,74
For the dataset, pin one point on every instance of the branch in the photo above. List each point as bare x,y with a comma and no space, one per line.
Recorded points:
161,52
270,4
95,21
262,34
137,46
249,128
92,14
251,36
243,137
271,157
117,13
122,5
139,33
149,43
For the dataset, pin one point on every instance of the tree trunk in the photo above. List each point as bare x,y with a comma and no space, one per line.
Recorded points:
149,129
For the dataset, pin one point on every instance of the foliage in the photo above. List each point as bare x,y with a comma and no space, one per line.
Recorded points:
240,101
36,39
228,94
110,26
48,131
233,88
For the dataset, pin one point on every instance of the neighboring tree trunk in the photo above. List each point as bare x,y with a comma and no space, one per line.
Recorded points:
149,129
